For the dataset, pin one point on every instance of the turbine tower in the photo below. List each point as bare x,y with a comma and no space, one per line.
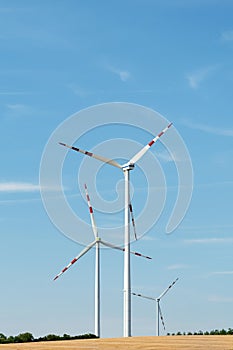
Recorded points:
126,168
157,300
97,243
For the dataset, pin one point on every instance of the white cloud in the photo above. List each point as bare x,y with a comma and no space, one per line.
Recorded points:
6,9
9,93
17,107
79,91
18,187
222,273
165,156
220,299
124,75
209,129
18,110
214,184
227,35
24,187
197,77
209,240
177,267
147,238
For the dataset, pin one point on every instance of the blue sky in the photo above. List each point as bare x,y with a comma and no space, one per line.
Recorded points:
58,57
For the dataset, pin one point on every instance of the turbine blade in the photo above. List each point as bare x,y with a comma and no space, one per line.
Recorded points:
143,296
145,149
90,154
139,254
133,221
84,251
110,245
161,316
167,289
93,224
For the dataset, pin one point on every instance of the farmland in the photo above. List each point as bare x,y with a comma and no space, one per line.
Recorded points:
134,343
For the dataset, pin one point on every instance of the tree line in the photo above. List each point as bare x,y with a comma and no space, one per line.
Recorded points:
213,332
28,337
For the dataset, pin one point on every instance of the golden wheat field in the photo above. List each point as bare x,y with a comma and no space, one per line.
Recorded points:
135,343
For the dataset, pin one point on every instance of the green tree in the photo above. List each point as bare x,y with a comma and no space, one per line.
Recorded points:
24,338
2,338
66,336
10,339
51,337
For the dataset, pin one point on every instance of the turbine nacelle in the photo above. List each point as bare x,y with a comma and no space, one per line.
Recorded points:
127,166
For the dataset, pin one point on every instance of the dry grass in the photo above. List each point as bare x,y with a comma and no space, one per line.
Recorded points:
213,342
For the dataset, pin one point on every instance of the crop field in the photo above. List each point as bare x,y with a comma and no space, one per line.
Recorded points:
146,343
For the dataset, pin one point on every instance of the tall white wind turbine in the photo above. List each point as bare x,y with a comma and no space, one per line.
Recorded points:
157,300
126,169
97,243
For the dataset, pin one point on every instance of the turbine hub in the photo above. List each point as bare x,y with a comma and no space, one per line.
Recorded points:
127,166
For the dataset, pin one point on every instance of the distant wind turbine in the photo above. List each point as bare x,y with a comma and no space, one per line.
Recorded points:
97,243
157,300
126,168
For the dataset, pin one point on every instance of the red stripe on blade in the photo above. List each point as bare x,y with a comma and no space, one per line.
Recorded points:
66,268
162,132
89,154
73,261
151,143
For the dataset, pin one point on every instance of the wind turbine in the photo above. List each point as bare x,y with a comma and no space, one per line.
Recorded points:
126,168
157,300
97,243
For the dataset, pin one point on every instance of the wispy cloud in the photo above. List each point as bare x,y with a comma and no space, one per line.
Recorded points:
227,35
214,184
220,299
196,77
18,187
165,156
13,93
13,9
206,128
124,75
80,92
17,107
222,273
9,187
18,110
148,238
209,241
177,267
6,9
